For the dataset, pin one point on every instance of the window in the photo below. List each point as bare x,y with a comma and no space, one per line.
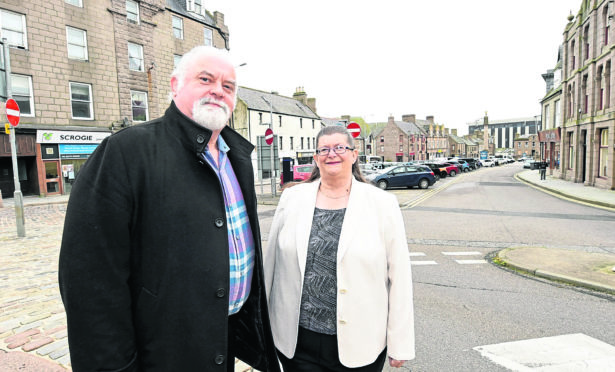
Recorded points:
281,142
76,41
313,124
301,143
570,151
603,160
313,142
3,93
401,148
291,143
132,11
381,148
381,138
178,27
13,28
196,6
208,36
21,86
605,22
301,123
280,118
586,37
81,101
135,57
74,2
607,85
584,94
176,59
401,138
260,118
556,115
139,106
572,59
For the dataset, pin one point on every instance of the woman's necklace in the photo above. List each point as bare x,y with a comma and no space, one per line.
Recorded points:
334,197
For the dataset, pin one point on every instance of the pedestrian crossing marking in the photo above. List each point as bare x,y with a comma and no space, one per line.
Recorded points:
423,263
573,352
470,262
461,253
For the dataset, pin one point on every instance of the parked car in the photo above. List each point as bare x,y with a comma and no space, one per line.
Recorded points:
435,168
403,176
465,166
529,163
458,165
450,169
300,173
487,162
471,162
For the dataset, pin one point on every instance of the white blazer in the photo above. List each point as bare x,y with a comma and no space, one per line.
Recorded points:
374,282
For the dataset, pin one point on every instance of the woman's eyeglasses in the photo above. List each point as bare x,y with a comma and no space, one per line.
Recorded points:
339,149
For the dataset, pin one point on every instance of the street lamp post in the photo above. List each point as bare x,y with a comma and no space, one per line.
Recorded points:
271,167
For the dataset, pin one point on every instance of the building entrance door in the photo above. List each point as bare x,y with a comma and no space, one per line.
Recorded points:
583,153
53,186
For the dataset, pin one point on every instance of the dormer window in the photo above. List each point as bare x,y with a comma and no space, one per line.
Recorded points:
196,6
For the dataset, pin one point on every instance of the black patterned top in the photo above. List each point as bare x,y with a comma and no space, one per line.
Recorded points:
319,296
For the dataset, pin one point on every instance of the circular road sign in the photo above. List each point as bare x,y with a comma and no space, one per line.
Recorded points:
354,129
12,112
269,136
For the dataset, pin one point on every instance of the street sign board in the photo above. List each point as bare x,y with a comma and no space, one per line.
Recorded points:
269,136
354,129
7,128
12,112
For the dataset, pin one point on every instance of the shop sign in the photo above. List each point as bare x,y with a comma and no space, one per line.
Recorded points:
551,135
76,151
60,136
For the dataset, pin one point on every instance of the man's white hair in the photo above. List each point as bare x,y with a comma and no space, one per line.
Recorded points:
199,52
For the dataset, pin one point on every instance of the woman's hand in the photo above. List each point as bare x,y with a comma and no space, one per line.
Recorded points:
396,363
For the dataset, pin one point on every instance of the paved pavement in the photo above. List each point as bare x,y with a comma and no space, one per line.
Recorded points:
32,319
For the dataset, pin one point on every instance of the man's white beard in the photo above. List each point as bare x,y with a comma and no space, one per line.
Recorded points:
211,117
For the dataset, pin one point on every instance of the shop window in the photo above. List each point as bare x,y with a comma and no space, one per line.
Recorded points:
139,106
81,101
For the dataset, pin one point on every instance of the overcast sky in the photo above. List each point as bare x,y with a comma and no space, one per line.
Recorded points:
449,58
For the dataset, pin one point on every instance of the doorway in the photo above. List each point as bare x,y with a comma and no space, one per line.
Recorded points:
52,177
583,154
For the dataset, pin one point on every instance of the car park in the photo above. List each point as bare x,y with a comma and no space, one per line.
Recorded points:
403,176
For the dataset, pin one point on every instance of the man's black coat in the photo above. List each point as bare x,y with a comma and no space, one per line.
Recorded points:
144,263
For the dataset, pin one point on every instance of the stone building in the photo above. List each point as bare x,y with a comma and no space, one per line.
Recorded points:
436,136
401,141
588,107
550,135
295,125
527,146
504,131
82,69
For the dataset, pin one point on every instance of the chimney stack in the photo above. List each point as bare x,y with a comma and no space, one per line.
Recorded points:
311,103
300,95
429,119
454,131
409,118
391,119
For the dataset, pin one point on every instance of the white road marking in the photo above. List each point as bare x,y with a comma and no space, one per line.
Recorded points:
423,263
470,262
461,253
565,353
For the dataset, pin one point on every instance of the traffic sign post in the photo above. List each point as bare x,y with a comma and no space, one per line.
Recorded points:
12,114
269,136
354,129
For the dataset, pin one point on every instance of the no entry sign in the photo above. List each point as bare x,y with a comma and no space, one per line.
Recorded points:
269,136
12,112
354,129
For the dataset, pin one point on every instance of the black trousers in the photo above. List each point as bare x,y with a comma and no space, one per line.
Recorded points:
317,352
230,356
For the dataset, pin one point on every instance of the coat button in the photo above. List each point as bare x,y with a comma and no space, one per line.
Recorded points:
219,222
342,291
342,322
219,359
200,138
220,292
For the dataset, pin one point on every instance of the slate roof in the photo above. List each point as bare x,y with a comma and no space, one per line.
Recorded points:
179,6
259,101
410,128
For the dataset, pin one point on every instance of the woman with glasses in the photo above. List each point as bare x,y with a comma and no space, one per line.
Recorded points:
337,269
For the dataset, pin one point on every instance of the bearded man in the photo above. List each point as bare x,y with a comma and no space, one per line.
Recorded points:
160,265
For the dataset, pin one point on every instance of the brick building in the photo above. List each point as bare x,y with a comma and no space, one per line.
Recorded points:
587,142
436,136
527,146
81,69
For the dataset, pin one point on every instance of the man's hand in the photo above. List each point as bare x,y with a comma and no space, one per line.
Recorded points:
396,363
